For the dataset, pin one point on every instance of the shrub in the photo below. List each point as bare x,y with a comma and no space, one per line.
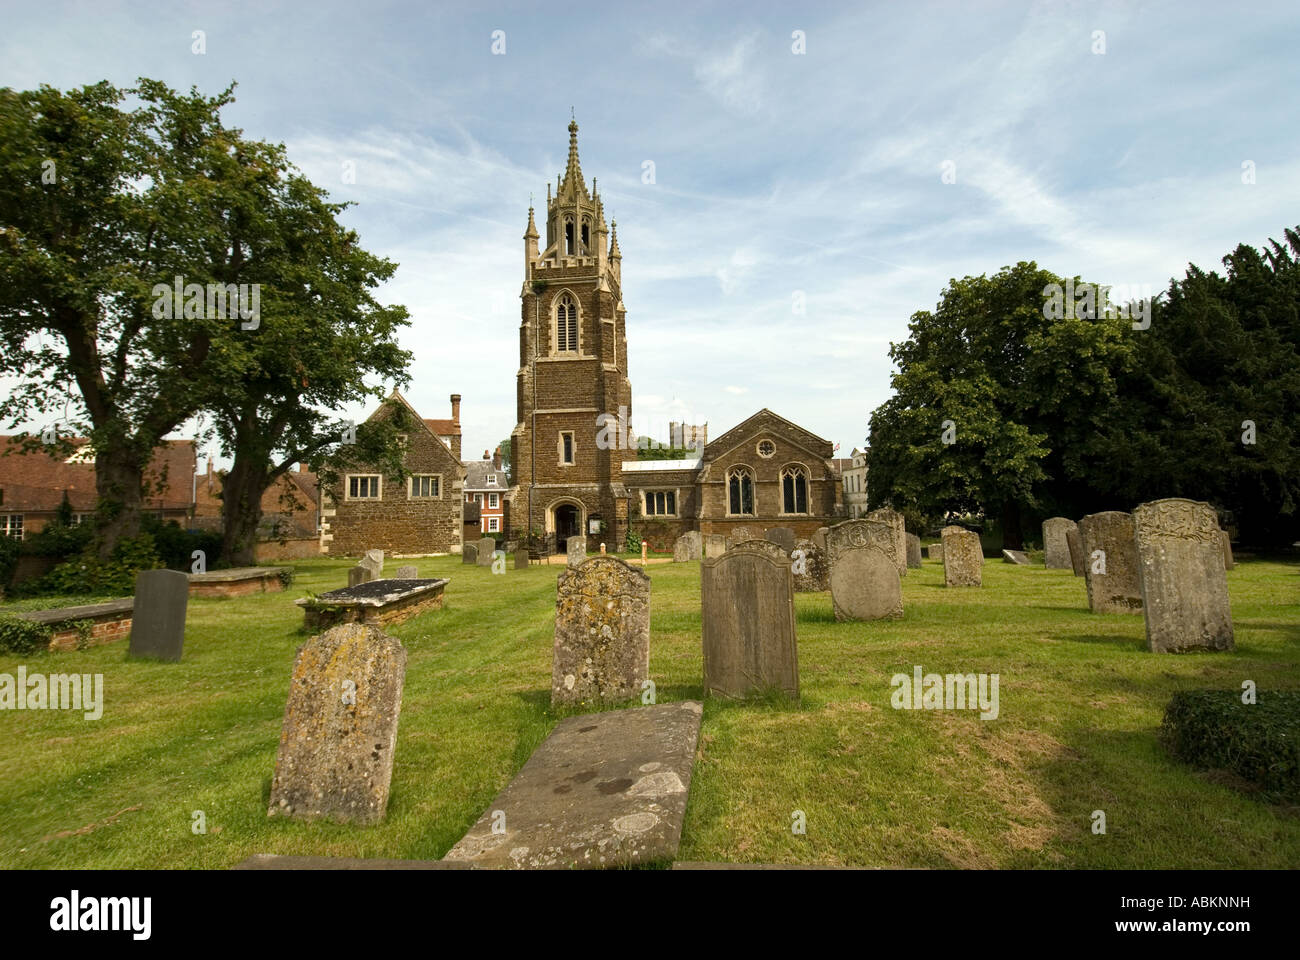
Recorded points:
87,574
59,541
1260,742
9,549
23,636
175,547
633,542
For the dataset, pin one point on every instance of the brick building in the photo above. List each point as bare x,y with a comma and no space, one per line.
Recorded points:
572,369
423,514
290,506
486,486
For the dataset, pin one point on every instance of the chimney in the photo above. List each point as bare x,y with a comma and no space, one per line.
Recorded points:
209,474
486,455
496,459
455,408
455,421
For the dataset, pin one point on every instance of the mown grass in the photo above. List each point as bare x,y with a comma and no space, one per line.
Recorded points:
1080,704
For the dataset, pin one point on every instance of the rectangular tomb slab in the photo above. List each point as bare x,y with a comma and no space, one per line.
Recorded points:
381,602
603,790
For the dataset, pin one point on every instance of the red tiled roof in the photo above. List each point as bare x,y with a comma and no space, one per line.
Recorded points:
444,428
35,482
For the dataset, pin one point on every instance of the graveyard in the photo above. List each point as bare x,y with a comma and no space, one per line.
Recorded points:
1081,702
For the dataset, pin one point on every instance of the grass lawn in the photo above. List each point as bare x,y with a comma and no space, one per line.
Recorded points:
1080,703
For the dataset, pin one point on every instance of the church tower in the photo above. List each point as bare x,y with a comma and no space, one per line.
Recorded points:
574,399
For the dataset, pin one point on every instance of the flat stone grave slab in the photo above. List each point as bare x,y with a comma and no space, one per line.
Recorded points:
603,790
1018,557
275,861
380,602
109,621
237,581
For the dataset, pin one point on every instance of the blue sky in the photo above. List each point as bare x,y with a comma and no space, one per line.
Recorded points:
775,173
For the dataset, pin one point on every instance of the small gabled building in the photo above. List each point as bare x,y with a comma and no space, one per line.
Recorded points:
423,514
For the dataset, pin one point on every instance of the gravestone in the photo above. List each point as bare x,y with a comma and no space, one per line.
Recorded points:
1184,585
521,558
1075,543
469,553
913,550
158,620
1226,540
374,562
407,572
602,633
963,558
766,547
1018,557
895,521
865,584
1056,550
819,538
336,750
935,551
811,569
715,545
740,535
577,550
860,533
486,547
358,575
687,547
747,607
782,536
1110,569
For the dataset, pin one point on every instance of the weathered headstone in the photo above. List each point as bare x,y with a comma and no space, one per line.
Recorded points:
819,538
1056,550
1018,557
740,535
602,633
521,558
715,545
407,572
935,552
782,536
469,553
1075,543
487,546
1184,585
374,562
811,569
687,547
603,790
1110,570
340,727
895,521
1226,540
747,604
158,621
860,533
576,549
865,584
358,575
913,550
766,547
963,558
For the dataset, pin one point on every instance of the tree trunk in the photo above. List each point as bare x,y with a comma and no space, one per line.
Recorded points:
241,508
1012,537
119,482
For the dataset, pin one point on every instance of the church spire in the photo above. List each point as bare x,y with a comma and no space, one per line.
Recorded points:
571,187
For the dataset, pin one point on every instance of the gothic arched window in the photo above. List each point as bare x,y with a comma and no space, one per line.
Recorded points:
586,236
794,490
568,236
566,324
740,491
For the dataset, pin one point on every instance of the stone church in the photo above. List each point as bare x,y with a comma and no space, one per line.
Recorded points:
573,475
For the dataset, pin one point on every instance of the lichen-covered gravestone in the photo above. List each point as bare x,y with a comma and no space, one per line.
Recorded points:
1110,562
1056,549
374,562
715,545
864,580
407,572
687,547
1184,584
487,546
811,569
468,554
747,607
783,536
740,535
963,558
340,727
913,550
1075,542
521,558
158,620
602,633
577,550
895,521
935,552
358,575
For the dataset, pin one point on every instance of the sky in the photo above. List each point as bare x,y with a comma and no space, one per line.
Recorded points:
849,159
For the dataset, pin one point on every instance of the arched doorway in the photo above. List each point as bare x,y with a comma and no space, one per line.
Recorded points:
567,520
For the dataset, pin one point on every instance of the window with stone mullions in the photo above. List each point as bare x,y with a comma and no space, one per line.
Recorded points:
660,503
424,486
566,325
794,490
740,492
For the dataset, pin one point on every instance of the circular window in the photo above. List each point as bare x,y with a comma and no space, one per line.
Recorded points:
766,448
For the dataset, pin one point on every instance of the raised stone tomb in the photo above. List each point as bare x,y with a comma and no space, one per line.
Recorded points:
238,582
106,622
377,602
